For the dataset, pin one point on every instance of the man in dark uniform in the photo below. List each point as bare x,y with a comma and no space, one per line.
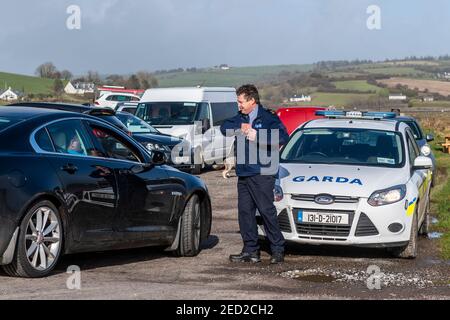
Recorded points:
259,134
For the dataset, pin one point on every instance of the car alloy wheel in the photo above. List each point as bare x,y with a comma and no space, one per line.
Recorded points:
43,239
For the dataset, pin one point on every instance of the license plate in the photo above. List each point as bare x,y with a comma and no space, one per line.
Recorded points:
322,218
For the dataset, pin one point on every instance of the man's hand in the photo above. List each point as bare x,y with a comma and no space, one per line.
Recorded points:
245,127
251,134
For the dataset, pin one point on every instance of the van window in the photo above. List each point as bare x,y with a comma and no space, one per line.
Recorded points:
222,111
171,113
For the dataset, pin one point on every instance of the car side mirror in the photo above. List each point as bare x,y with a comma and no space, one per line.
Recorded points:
158,158
206,125
429,137
422,163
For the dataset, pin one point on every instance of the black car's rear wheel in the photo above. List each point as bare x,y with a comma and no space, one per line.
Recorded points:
39,243
190,233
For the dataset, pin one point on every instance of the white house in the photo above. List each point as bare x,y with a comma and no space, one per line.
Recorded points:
9,95
301,98
79,88
398,97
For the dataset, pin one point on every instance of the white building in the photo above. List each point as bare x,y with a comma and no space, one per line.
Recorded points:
397,97
301,98
9,95
79,88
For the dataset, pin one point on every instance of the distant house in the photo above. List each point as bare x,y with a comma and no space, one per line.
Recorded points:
224,67
9,94
301,98
444,75
79,88
427,99
397,97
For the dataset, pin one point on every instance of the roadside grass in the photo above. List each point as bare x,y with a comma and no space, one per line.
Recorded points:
440,197
434,104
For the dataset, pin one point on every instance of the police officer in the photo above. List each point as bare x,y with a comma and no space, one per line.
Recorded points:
259,134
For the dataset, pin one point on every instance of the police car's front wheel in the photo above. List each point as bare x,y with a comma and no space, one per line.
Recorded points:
409,251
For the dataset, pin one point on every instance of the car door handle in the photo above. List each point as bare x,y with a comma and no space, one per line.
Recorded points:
69,168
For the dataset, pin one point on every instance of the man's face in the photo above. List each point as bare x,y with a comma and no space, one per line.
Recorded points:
246,106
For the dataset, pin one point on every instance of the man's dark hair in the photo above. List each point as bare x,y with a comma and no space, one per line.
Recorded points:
249,91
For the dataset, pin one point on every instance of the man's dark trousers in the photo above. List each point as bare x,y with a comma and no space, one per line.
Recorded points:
256,192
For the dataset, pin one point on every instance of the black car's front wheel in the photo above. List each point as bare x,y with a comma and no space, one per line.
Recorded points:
39,243
190,232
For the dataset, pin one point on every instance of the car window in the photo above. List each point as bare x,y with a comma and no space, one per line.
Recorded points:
71,137
222,111
110,98
113,145
345,146
413,150
415,129
123,98
134,99
43,140
129,110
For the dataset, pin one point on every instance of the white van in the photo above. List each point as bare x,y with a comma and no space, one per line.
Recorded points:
194,114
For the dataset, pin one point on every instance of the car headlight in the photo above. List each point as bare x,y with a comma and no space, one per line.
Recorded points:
387,196
154,146
278,193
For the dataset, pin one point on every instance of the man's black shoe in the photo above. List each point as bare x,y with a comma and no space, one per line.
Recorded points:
277,257
253,257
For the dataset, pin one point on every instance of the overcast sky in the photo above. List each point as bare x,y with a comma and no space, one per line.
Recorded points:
124,36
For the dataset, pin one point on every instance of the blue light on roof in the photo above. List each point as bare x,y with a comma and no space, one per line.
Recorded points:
356,114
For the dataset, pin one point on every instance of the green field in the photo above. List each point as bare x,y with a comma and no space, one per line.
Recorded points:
233,77
391,71
26,84
357,85
435,104
336,99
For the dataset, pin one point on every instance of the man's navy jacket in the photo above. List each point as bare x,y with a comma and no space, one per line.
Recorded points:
254,164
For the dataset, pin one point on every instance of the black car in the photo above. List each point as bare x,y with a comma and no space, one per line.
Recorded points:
151,138
70,182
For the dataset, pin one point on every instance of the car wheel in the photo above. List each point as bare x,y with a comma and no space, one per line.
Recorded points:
190,232
409,251
39,243
425,227
198,163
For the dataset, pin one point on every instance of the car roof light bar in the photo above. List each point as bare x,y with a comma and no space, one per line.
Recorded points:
356,115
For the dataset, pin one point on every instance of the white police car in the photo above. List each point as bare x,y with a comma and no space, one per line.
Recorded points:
354,178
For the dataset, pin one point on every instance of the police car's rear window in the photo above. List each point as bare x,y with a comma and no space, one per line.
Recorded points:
345,146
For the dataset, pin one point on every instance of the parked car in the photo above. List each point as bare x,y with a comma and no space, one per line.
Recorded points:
295,116
152,140
421,139
194,114
70,182
129,107
110,100
354,179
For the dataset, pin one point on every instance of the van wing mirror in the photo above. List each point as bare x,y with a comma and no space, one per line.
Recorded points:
429,137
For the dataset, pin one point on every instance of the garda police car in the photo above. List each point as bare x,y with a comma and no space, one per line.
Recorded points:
354,178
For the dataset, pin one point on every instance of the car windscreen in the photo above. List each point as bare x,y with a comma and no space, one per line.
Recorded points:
345,146
170,113
415,129
135,124
8,122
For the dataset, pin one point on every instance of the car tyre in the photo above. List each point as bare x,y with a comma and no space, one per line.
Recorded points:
190,232
409,251
198,162
39,243
425,227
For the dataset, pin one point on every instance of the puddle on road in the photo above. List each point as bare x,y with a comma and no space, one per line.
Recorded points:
316,278
435,235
